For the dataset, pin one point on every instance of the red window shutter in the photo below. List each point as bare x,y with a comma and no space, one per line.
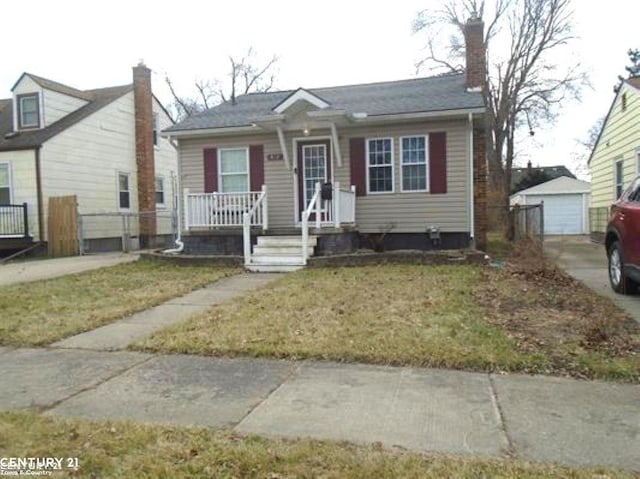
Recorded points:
358,165
210,170
256,167
438,163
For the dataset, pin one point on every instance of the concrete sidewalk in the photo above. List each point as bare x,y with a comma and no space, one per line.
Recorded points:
37,269
120,334
587,262
530,417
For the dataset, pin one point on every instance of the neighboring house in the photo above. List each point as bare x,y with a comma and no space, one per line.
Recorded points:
615,159
549,172
403,162
566,204
101,145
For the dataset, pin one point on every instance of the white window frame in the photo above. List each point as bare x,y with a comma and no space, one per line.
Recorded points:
426,163
615,178
368,166
164,191
128,175
156,129
220,174
638,161
21,98
9,178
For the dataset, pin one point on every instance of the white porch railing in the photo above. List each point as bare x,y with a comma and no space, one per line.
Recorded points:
247,222
314,205
340,210
344,205
206,210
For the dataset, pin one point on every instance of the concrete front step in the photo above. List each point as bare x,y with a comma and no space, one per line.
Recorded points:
279,241
278,250
276,259
273,268
280,253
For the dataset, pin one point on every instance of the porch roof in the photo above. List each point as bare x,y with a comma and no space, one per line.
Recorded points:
419,95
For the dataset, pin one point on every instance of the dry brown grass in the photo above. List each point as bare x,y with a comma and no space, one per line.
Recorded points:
399,315
543,309
42,312
130,450
528,317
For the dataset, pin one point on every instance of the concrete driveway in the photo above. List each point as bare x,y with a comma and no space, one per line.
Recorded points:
33,270
587,262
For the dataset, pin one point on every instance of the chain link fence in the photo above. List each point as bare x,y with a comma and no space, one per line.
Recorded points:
517,222
598,220
120,231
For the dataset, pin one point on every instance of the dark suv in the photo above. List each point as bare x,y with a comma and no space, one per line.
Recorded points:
623,241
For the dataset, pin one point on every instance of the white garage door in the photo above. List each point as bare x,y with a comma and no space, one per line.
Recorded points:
563,214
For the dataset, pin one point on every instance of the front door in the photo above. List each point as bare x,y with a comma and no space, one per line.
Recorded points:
314,166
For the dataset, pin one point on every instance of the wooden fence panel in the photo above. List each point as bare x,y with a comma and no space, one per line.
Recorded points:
63,226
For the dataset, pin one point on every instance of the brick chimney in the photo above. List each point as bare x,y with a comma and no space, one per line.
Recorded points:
476,53
144,154
476,57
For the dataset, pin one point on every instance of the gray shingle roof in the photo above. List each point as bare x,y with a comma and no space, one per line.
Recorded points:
55,86
33,138
518,174
432,94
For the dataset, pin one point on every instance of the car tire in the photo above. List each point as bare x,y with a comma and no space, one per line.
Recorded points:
619,282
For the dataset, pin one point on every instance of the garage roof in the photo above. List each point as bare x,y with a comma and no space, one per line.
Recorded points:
558,186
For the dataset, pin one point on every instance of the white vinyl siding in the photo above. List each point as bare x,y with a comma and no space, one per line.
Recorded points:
414,159
82,160
619,139
233,165
58,105
379,156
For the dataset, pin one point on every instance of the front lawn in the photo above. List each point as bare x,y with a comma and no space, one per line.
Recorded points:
130,450
465,317
42,312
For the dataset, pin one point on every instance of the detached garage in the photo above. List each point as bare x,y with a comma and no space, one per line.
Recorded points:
566,205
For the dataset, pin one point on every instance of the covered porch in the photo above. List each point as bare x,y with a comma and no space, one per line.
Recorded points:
330,208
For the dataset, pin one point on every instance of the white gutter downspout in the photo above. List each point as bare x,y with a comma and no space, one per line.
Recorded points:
177,188
471,185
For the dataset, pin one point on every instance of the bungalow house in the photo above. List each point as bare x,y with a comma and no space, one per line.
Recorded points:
279,176
615,159
101,145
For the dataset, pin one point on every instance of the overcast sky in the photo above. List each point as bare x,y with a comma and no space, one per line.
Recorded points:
90,45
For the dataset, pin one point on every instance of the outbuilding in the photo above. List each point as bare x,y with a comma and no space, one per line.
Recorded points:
566,204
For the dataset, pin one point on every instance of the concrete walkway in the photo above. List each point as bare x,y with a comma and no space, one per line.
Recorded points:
34,270
120,334
587,262
572,422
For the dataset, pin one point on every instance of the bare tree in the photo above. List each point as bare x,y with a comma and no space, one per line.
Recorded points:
633,70
246,75
584,146
526,80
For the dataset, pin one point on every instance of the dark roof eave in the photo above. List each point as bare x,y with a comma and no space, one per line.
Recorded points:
33,146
